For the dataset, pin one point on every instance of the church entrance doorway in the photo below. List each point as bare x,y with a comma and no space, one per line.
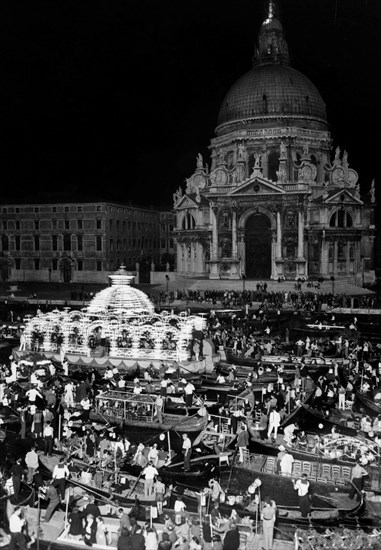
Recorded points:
258,247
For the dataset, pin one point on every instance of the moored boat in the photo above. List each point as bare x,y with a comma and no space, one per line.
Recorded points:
139,412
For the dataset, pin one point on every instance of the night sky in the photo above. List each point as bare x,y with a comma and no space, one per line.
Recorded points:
114,99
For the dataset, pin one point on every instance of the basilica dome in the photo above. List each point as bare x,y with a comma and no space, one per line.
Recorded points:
272,91
120,298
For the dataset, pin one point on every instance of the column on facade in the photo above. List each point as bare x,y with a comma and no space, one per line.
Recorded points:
335,257
273,256
234,235
214,233
300,234
278,236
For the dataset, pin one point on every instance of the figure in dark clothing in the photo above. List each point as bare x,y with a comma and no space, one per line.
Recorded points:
231,540
17,472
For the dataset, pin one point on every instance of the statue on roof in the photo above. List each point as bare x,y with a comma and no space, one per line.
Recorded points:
337,161
200,161
177,196
372,192
283,149
258,158
241,151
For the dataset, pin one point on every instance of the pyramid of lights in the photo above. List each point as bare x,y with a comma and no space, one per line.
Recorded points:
121,321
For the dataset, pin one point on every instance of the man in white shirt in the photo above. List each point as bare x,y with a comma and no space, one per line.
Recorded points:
48,434
286,464
31,461
274,423
16,526
188,390
149,473
302,486
60,473
187,451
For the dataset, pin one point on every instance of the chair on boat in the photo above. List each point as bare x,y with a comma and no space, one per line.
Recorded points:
336,471
223,458
326,469
306,468
314,469
346,472
247,458
297,468
269,466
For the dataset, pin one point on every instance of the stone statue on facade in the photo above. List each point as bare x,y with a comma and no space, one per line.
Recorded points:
241,151
372,192
283,149
258,158
199,162
177,195
281,173
336,160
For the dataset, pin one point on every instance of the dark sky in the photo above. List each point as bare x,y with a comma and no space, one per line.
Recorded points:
114,99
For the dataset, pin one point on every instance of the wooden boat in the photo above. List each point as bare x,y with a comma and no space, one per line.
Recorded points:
314,421
372,407
138,412
335,456
328,492
330,501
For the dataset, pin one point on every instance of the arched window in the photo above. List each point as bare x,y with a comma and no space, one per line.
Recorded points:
4,243
188,221
341,218
67,242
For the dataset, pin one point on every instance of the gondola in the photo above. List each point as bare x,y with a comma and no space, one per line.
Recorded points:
312,421
330,503
137,413
367,403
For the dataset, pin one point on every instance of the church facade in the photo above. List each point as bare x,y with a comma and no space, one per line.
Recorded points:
276,201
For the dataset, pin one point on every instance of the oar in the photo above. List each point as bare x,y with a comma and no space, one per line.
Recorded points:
231,469
135,484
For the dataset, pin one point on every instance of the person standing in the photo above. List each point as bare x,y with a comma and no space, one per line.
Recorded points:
60,473
149,473
16,527
48,438
242,442
232,539
302,485
274,423
357,479
268,517
31,461
286,463
51,495
159,492
189,391
187,452
17,472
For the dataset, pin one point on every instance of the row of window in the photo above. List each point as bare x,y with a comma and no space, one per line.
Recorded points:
67,243
54,239
54,264
119,225
79,264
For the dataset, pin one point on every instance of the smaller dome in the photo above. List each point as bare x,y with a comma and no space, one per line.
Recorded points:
121,297
271,24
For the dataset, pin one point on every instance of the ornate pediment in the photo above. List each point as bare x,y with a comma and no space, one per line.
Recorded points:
191,201
257,186
342,196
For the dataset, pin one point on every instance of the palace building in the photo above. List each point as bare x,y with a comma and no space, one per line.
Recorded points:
278,200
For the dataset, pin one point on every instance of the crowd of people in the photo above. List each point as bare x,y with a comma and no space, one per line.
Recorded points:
53,413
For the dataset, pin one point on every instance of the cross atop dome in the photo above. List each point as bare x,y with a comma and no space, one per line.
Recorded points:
272,47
